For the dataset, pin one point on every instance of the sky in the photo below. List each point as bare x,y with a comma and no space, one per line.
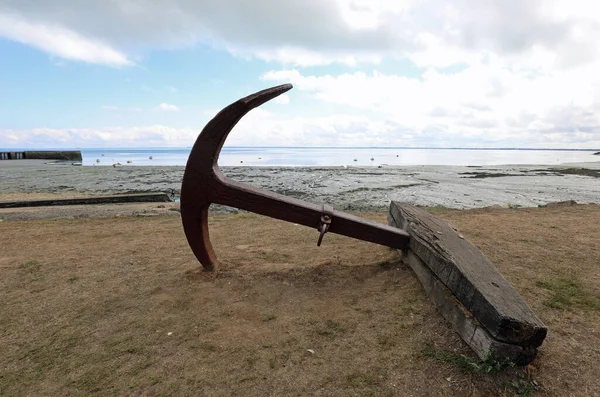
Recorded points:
410,73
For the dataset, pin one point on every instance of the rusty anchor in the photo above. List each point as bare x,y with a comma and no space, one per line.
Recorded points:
204,184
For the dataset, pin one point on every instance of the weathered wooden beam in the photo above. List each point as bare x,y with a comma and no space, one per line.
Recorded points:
467,288
463,322
123,198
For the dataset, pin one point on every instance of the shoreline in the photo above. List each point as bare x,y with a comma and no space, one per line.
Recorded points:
368,188
38,163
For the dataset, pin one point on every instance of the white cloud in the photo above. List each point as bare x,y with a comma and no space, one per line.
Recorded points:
167,107
497,73
484,104
283,99
60,42
263,128
304,57
315,32
288,31
150,136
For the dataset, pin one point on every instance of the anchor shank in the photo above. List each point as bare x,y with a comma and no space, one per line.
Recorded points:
274,205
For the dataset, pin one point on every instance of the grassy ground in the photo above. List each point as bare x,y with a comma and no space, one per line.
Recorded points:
119,306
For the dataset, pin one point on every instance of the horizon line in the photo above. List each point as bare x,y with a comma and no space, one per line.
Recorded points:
9,149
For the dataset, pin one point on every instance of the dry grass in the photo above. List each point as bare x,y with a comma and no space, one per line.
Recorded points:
119,306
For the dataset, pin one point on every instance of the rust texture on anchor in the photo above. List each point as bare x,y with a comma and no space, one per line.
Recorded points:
204,184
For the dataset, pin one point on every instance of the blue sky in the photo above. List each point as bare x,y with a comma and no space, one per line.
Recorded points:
366,73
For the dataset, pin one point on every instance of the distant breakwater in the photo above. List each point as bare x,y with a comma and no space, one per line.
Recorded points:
64,155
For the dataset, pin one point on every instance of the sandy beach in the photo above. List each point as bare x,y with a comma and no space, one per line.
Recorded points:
346,188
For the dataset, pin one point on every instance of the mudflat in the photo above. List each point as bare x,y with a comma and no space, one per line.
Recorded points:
350,188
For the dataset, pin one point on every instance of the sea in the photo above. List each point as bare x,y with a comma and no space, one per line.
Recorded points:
338,156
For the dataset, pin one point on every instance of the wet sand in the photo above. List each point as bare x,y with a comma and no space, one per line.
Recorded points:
351,188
